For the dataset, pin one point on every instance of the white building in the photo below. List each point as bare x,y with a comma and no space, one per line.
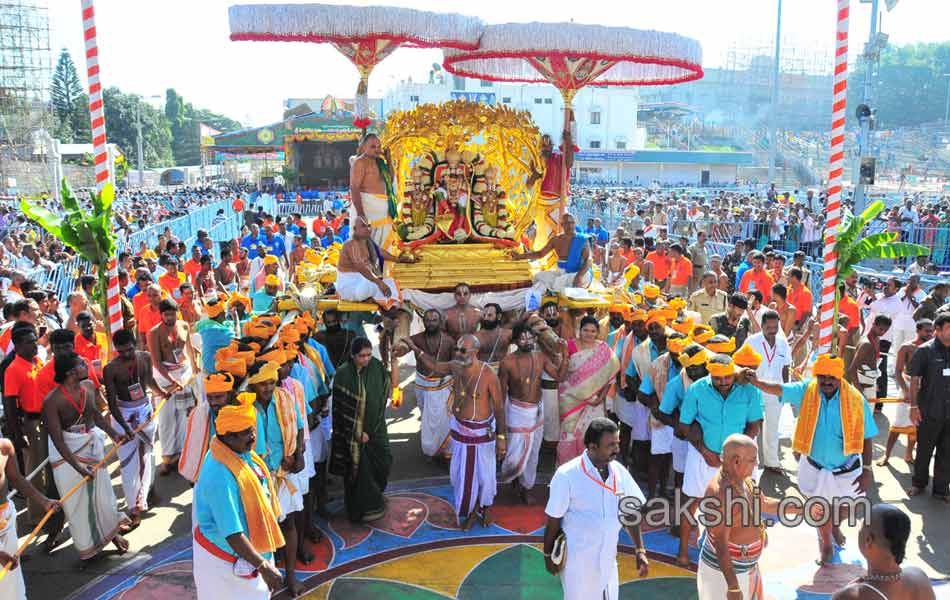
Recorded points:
605,117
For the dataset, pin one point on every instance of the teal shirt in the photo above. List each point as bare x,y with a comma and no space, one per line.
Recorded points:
632,368
827,448
673,396
219,512
646,384
261,301
270,439
720,417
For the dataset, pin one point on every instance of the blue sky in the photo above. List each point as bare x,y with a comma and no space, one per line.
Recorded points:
148,45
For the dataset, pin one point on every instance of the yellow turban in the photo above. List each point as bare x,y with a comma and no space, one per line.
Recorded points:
272,281
230,364
273,356
667,313
685,326
232,418
311,256
747,357
638,315
270,259
700,358
237,298
218,382
286,304
651,291
654,316
267,373
214,310
727,347
703,333
717,369
677,344
631,273
829,365
246,398
676,304
618,308
289,334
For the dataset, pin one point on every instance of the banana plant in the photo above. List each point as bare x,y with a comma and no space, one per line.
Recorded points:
88,233
853,248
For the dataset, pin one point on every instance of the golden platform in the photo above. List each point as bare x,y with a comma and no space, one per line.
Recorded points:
484,267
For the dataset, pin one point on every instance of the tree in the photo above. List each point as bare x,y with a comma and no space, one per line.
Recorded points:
65,94
853,248
183,120
121,112
79,121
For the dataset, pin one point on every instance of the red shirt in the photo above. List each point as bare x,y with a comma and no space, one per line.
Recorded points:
849,307
20,381
86,349
170,283
802,300
191,267
45,382
553,178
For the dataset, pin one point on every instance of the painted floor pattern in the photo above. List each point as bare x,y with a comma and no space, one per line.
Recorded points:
417,552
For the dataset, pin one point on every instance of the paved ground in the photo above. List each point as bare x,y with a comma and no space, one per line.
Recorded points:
59,575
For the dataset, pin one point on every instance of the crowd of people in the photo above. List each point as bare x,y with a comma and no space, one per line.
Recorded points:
219,374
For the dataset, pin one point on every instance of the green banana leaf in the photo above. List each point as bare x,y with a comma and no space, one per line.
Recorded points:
48,220
856,252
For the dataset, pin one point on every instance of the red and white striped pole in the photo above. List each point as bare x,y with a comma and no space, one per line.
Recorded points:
97,121
836,170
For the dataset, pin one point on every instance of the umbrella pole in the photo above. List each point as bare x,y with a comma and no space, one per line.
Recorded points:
568,96
361,102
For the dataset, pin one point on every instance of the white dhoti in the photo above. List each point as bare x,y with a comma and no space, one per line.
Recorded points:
215,578
356,288
525,434
137,458
376,209
318,444
680,450
661,437
92,512
898,414
770,431
473,465
434,395
634,415
173,417
196,442
11,586
558,280
289,493
552,415
698,474
825,483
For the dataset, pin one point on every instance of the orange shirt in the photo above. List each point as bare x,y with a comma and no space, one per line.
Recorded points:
191,267
45,382
802,300
661,265
19,380
86,349
680,271
849,307
171,282
762,281
237,205
628,256
147,317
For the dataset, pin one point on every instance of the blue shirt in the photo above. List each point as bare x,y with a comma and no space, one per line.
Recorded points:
827,448
673,396
743,267
344,232
252,244
261,301
135,289
632,367
270,439
274,245
301,374
219,511
721,418
602,234
646,383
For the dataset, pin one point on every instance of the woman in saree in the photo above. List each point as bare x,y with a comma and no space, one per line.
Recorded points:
591,369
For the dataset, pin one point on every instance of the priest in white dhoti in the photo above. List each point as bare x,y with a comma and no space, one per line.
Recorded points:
835,447
173,418
573,259
236,510
360,270
586,498
371,190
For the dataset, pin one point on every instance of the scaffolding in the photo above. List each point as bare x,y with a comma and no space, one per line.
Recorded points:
25,71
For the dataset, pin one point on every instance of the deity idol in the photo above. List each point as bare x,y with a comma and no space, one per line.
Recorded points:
451,207
417,214
489,209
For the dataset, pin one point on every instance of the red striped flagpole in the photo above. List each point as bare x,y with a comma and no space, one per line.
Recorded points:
97,121
836,170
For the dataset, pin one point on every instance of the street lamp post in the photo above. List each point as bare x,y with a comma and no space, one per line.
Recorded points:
946,113
872,52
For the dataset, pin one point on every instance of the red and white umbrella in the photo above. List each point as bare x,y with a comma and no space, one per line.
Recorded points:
364,34
570,56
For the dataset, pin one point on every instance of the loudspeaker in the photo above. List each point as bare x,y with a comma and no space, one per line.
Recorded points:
867,170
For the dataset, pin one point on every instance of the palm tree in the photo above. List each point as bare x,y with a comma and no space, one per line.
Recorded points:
88,233
853,248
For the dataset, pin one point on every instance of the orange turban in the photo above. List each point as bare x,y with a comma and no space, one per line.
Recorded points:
677,344
217,383
700,358
703,333
230,364
272,281
232,418
676,304
267,373
651,291
830,365
747,357
718,369
237,298
638,315
275,356
214,310
654,316
722,347
270,259
685,326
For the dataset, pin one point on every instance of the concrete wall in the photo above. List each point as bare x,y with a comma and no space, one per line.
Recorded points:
611,172
34,178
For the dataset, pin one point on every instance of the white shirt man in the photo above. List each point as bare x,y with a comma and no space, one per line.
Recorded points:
588,509
776,361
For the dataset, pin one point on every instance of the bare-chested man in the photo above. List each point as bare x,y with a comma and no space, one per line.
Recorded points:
174,368
736,543
360,269
226,273
462,318
368,199
70,416
573,258
478,412
493,339
863,371
520,380
901,423
432,390
126,379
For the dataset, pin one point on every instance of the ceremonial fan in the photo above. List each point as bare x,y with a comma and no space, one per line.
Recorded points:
364,34
571,56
